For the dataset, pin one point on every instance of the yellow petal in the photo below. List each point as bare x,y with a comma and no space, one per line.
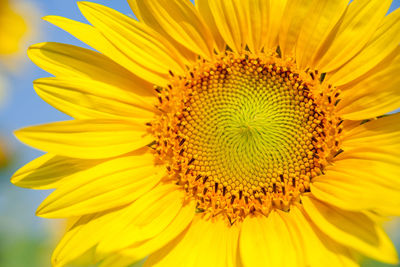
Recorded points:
64,60
382,132
85,99
140,49
230,22
84,32
206,243
256,20
382,173
352,33
86,139
265,241
355,192
147,18
82,236
49,170
361,99
383,42
204,10
312,244
292,22
120,261
378,154
352,229
276,11
177,19
317,24
141,249
143,219
107,185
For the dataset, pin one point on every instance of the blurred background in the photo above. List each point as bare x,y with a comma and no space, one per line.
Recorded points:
26,240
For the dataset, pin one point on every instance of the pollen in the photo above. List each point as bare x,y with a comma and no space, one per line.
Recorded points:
246,134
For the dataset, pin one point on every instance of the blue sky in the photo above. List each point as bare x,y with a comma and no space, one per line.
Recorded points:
25,108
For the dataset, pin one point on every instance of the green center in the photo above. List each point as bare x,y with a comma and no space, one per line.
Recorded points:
248,125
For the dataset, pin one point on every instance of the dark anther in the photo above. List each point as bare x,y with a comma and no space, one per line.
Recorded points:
279,52
336,143
199,210
274,187
264,191
165,143
364,121
339,152
232,199
191,74
153,143
167,97
246,199
337,94
191,161
198,177
322,77
160,99
230,219
240,194
181,152
148,124
205,190
329,99
340,122
281,176
283,190
313,138
169,86
187,171
223,191
170,72
158,89
182,141
205,179
312,75
340,131
216,187
293,181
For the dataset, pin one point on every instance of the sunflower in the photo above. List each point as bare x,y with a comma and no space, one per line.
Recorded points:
12,28
225,133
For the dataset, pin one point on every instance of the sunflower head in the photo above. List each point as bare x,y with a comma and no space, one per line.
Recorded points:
246,133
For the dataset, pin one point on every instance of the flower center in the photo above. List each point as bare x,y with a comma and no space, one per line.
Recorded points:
246,134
